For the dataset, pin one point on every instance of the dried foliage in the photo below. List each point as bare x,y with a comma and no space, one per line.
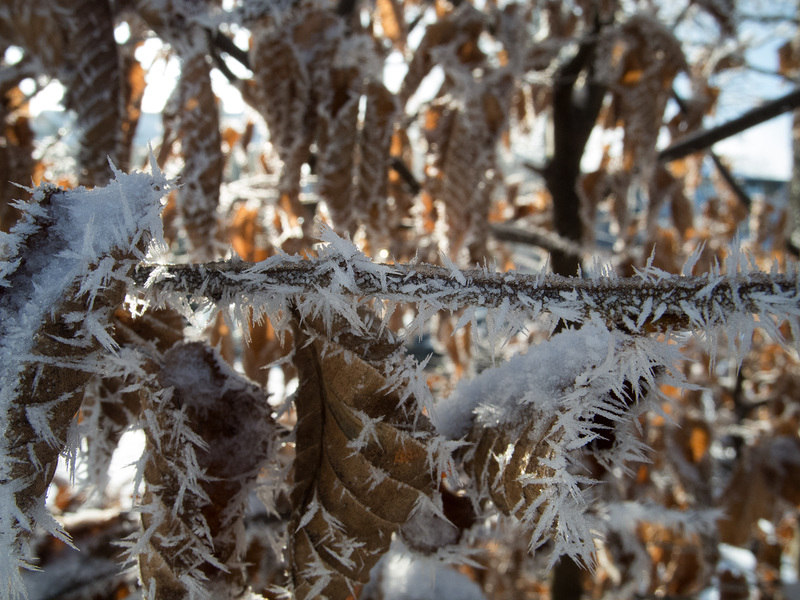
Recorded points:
201,148
208,433
58,298
486,432
362,468
94,84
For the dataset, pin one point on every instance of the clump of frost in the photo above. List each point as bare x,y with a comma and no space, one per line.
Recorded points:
547,400
499,396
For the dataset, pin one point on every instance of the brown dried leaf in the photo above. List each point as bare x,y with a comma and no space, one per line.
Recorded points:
263,347
464,180
373,165
338,143
362,462
201,147
291,66
459,31
764,475
220,336
644,58
789,59
682,212
248,236
197,491
91,74
393,22
530,448
52,376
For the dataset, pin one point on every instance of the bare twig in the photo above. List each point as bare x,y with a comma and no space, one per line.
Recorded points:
704,139
405,174
723,170
226,45
536,236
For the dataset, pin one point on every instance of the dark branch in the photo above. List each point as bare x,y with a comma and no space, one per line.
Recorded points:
769,18
345,7
704,139
535,236
732,183
405,174
225,44
539,170
220,64
723,170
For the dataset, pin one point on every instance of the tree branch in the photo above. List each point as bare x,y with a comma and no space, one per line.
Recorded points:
406,175
768,18
674,302
729,179
225,44
723,170
704,139
536,236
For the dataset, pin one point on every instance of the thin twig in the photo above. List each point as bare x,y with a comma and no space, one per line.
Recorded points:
704,139
405,174
723,170
536,236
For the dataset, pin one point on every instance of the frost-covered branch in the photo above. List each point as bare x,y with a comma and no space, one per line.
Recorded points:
634,303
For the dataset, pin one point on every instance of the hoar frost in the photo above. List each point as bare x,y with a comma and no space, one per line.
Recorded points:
526,418
64,269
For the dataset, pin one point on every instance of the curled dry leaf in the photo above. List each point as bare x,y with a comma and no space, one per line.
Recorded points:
93,82
291,63
375,144
354,153
503,457
464,178
209,431
644,58
60,287
767,475
338,143
362,469
283,89
201,146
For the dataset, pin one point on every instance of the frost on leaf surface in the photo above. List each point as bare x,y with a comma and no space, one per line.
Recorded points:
363,467
526,417
65,270
209,432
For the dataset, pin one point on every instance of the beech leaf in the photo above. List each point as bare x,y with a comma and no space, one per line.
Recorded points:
362,464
